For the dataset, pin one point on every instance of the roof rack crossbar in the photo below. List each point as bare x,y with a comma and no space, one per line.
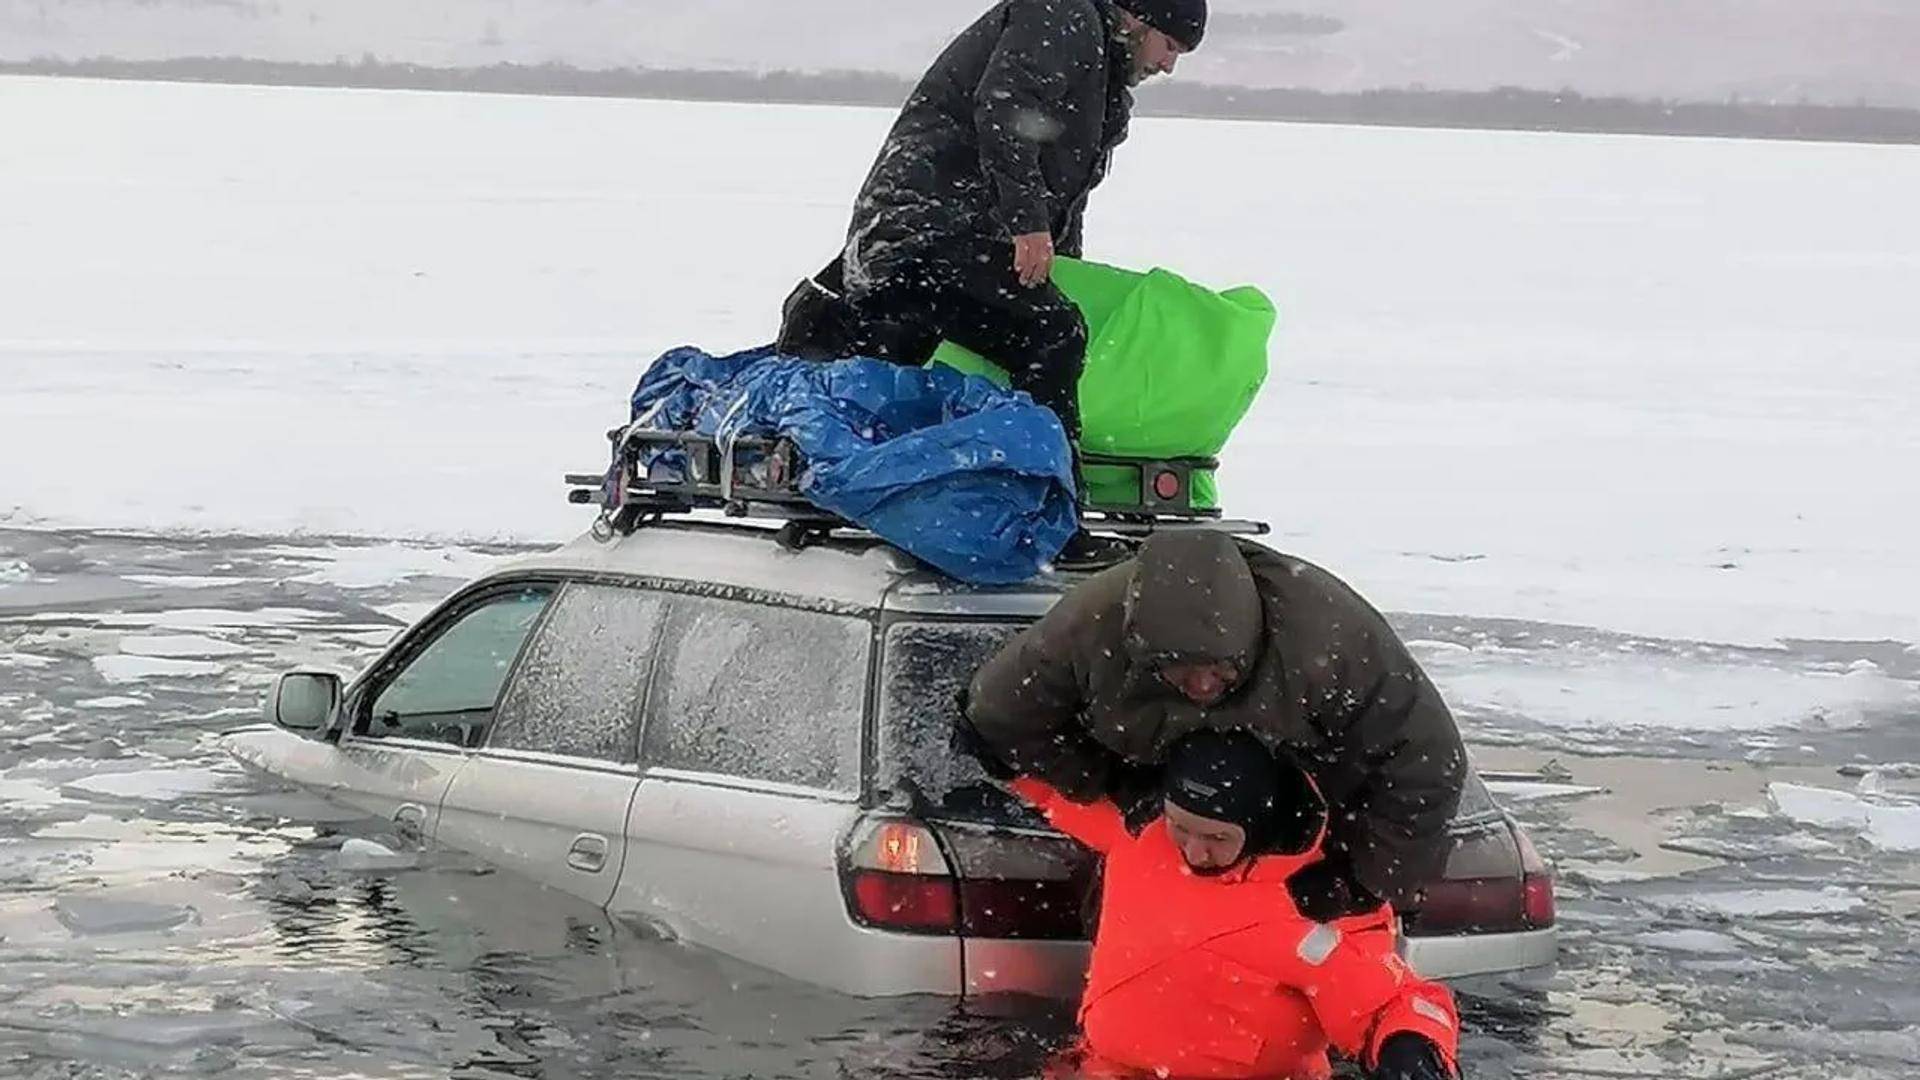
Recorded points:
759,477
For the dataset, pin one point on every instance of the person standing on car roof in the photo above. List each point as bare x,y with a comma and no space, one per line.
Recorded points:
1205,968
983,179
1200,631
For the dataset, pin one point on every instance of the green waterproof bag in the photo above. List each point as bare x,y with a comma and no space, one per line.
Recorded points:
1172,367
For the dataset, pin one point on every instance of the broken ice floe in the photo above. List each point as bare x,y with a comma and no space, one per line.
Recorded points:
1762,903
1885,823
180,647
106,914
159,785
365,855
1539,791
126,669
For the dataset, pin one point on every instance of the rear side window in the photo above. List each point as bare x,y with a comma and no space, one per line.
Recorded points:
447,690
1475,799
923,668
579,688
761,693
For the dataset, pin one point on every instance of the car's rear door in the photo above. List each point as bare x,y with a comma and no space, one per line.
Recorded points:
547,796
752,754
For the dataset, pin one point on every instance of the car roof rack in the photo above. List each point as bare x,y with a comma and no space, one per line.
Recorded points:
756,477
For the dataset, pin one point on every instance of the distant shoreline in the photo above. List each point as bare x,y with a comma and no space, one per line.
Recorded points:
1505,108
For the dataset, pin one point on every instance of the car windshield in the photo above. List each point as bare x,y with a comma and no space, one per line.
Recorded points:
925,666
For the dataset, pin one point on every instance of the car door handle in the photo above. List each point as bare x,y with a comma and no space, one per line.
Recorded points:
588,853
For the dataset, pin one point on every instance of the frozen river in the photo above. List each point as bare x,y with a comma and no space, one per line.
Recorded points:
1729,906
1623,428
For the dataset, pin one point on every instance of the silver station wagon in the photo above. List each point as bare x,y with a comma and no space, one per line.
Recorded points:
743,744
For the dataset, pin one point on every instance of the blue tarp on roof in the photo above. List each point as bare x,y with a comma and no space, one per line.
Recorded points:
970,478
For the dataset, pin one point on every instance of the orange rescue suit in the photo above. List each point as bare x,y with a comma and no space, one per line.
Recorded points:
1221,978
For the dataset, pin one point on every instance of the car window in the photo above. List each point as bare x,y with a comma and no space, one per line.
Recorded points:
760,692
922,670
579,688
447,691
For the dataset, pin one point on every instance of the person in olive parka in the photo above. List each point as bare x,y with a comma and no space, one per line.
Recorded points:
1203,631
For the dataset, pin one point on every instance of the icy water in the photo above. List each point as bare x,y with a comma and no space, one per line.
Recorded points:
165,913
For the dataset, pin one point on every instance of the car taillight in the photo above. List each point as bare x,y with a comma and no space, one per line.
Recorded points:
897,879
1494,883
999,883
1538,882
1020,884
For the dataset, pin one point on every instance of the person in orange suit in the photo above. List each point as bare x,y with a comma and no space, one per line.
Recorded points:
1203,967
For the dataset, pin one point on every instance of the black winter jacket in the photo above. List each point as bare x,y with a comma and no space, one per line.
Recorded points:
1006,134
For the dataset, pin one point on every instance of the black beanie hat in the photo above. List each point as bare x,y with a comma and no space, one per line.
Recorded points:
1226,776
1185,21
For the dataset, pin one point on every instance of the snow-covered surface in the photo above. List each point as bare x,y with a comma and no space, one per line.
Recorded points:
1676,400
1506,391
374,565
1592,686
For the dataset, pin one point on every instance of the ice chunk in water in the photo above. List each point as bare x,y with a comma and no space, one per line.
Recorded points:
1888,824
1894,828
106,914
1692,942
125,669
179,646
1822,808
112,701
1537,791
1766,903
357,854
163,785
1770,847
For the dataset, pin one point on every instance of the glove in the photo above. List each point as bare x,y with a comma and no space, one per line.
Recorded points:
965,740
1327,890
1407,1056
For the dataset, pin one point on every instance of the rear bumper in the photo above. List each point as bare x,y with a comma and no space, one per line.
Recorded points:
1455,956
1055,970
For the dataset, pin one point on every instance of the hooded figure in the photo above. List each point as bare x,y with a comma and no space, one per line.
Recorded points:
1204,967
1200,632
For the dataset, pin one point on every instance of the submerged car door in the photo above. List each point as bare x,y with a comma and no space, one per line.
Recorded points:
547,795
752,754
411,721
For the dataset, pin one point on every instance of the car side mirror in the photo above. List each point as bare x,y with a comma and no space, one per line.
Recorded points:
302,700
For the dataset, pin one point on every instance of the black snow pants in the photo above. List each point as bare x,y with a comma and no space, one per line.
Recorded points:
967,293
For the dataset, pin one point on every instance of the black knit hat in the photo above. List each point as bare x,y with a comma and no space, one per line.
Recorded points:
1185,21
1226,776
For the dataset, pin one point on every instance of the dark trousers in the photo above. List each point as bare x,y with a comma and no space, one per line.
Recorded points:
966,293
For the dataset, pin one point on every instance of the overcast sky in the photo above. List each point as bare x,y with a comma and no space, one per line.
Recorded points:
1829,51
